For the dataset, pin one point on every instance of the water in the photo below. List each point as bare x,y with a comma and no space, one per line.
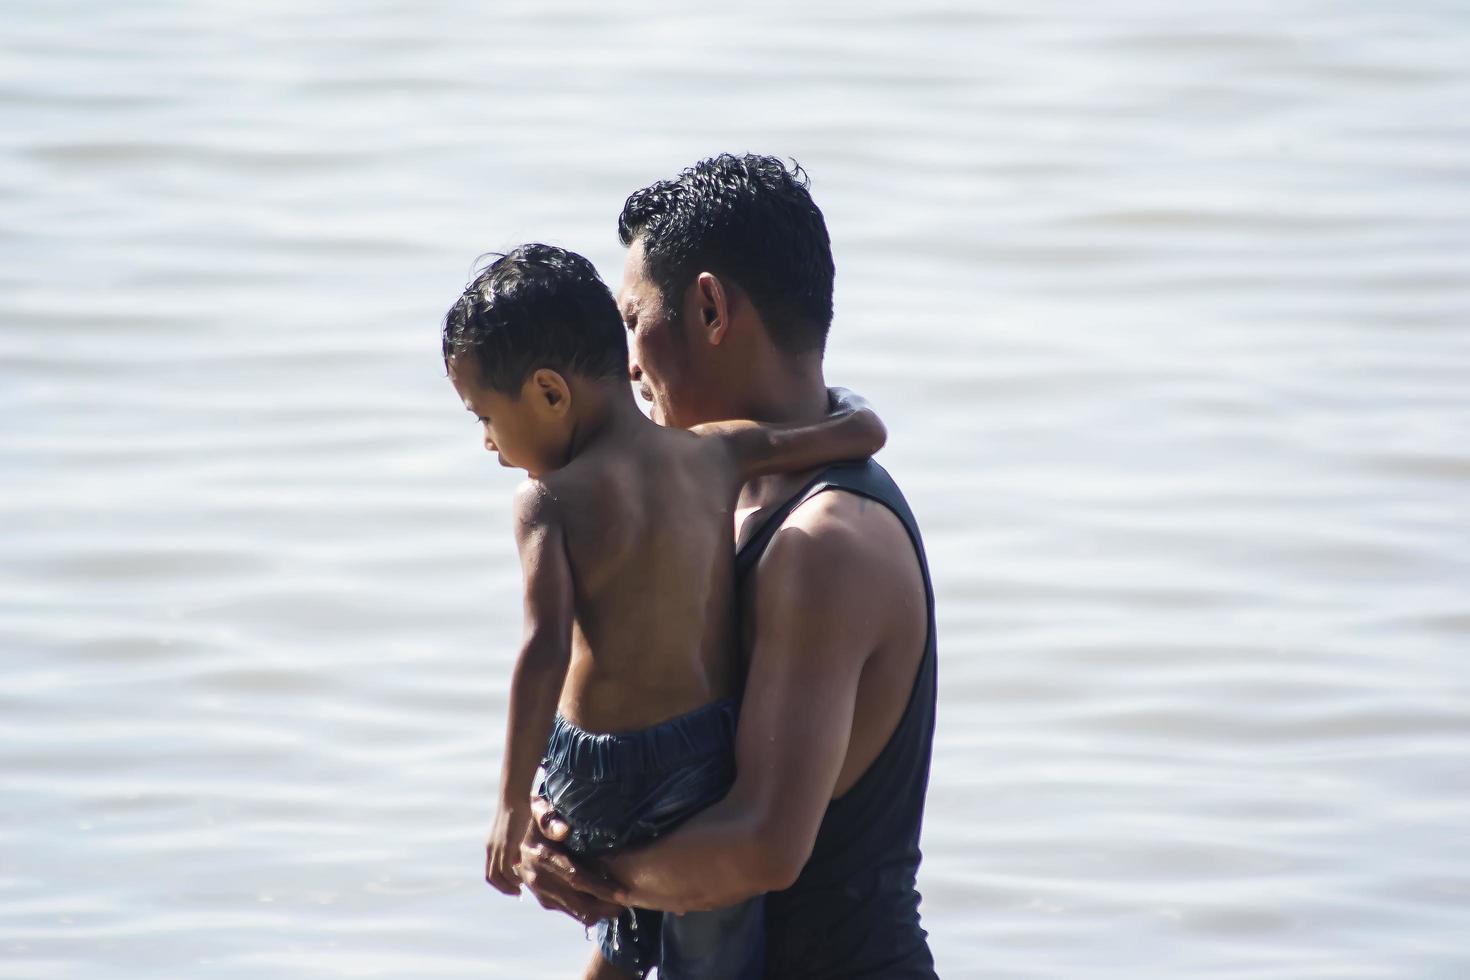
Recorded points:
1166,307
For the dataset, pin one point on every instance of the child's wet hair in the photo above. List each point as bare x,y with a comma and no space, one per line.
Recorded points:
537,306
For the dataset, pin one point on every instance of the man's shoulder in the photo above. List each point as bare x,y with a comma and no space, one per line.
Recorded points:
843,535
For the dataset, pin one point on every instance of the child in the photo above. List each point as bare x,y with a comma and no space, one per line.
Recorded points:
624,529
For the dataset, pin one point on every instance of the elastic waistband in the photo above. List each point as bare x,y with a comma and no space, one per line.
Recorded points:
701,732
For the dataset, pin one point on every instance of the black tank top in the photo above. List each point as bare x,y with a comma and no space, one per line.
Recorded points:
854,911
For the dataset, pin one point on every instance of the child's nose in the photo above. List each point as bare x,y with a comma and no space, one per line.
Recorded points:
490,445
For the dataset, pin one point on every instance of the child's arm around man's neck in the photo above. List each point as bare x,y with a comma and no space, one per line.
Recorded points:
852,431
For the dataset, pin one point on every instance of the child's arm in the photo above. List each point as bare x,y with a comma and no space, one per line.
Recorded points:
852,431
540,669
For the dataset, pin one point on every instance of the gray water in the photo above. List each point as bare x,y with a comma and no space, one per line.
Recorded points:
1165,305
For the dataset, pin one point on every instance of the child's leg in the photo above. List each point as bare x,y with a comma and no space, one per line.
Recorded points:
725,944
601,969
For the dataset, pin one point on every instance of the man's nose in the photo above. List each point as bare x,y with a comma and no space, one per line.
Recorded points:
635,373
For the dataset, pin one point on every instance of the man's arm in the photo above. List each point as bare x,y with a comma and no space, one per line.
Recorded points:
852,431
821,592
540,670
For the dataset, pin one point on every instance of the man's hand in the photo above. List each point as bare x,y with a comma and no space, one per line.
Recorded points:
557,882
502,850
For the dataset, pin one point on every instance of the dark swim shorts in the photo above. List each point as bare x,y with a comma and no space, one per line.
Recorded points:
618,791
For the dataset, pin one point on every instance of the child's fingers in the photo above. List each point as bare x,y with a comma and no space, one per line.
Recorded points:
501,873
501,882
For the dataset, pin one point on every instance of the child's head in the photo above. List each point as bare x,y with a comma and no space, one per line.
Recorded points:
533,326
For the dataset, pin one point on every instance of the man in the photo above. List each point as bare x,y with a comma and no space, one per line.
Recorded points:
727,293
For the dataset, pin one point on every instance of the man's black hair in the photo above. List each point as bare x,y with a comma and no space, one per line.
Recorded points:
537,306
749,218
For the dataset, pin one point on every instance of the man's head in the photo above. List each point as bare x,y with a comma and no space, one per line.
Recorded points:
534,326
729,268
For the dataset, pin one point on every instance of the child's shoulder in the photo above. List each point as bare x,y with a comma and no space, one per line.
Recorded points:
535,504
554,495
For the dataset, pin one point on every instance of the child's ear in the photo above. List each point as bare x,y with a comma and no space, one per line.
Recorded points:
551,390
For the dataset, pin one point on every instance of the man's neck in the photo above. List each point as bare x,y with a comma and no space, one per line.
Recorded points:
788,390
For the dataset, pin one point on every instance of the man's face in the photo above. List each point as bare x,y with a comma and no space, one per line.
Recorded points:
658,350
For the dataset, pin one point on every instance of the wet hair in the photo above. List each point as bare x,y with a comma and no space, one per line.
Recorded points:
537,306
749,218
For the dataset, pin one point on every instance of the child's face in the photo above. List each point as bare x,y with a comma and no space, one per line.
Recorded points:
531,432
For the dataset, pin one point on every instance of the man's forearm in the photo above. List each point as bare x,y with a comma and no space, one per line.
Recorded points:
722,856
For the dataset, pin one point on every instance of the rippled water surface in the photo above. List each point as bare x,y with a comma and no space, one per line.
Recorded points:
1167,308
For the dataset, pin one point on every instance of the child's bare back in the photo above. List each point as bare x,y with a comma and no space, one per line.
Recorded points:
646,515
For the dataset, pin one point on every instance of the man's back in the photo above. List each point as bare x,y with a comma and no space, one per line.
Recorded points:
647,521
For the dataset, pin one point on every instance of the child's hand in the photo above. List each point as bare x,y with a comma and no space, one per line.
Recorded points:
840,400
503,850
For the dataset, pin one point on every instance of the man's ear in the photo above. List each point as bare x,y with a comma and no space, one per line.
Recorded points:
712,308
550,390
